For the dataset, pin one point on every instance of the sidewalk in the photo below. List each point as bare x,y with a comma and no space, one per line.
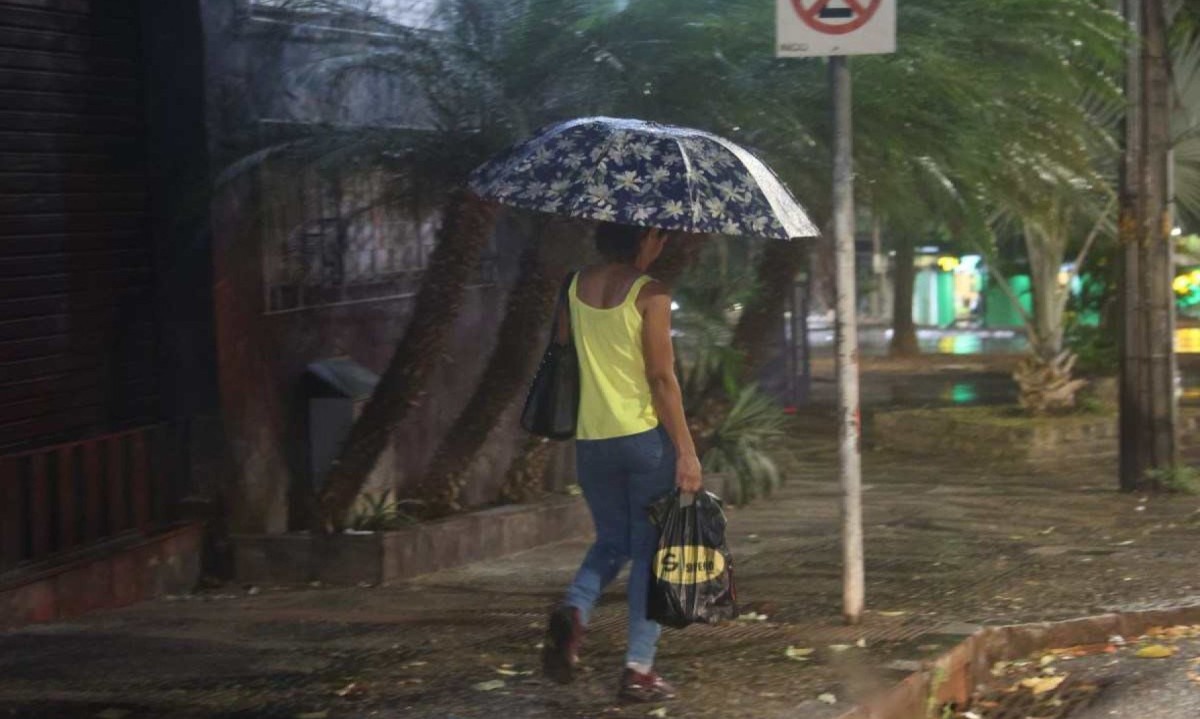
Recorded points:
950,544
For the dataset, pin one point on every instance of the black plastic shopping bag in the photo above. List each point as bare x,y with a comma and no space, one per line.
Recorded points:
692,571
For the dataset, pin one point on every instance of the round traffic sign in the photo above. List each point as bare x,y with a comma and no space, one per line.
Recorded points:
836,21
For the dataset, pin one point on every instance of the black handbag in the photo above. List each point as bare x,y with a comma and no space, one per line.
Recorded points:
552,407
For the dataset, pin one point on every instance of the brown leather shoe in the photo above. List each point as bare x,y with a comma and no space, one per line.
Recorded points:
560,649
644,688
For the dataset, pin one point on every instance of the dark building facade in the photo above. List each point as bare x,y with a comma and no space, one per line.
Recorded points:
160,302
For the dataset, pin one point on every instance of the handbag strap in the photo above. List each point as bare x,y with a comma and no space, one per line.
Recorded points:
563,306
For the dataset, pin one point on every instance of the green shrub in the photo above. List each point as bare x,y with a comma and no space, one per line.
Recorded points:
380,513
740,445
1096,348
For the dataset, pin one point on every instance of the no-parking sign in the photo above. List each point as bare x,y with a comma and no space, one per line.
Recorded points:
814,28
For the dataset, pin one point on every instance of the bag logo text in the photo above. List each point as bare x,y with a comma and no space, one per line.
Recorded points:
688,564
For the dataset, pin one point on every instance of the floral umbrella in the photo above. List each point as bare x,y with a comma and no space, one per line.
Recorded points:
645,174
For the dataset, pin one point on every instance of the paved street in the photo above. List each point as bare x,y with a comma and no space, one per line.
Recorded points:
1148,687
950,543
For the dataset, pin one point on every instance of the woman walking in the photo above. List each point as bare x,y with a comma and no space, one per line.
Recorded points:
632,445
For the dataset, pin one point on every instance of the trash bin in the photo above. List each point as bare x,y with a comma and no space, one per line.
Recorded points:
335,391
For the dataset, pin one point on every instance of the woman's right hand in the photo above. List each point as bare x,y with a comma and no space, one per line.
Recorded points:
688,475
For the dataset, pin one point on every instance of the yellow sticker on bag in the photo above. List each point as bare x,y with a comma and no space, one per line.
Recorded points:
688,564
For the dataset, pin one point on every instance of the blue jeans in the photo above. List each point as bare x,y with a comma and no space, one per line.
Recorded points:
621,477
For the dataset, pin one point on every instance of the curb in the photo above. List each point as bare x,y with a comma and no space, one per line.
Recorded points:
952,677
106,577
401,554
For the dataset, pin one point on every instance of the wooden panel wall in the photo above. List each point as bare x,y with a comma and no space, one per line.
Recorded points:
77,319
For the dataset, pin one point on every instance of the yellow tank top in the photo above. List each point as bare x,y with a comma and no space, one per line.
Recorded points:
614,394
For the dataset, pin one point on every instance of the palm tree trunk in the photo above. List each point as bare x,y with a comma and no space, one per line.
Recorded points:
762,318
530,305
466,227
526,475
1045,260
904,330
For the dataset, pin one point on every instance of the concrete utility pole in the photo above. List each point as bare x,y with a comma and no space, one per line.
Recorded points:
1148,419
849,418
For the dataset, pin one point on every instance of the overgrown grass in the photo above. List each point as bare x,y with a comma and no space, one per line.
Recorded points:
1174,480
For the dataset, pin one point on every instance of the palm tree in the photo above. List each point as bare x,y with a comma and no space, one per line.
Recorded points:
483,75
933,122
464,234
530,304
1185,120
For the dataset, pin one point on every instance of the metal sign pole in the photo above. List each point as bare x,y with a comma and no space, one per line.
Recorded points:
849,416
835,29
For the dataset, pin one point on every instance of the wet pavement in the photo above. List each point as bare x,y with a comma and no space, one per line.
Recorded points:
1157,675
950,543
1135,687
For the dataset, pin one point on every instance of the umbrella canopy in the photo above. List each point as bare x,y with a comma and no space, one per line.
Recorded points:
644,174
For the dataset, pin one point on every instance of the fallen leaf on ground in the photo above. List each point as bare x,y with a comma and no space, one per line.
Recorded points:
660,712
1177,632
489,686
351,689
1047,660
861,643
1041,685
504,671
800,654
1155,651
414,664
892,614
839,647
827,698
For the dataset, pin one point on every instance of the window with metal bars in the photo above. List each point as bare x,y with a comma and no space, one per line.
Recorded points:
332,239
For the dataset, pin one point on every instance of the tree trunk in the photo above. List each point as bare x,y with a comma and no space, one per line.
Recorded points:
877,265
526,476
904,329
530,304
466,227
762,318
1045,254
1148,423
679,253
